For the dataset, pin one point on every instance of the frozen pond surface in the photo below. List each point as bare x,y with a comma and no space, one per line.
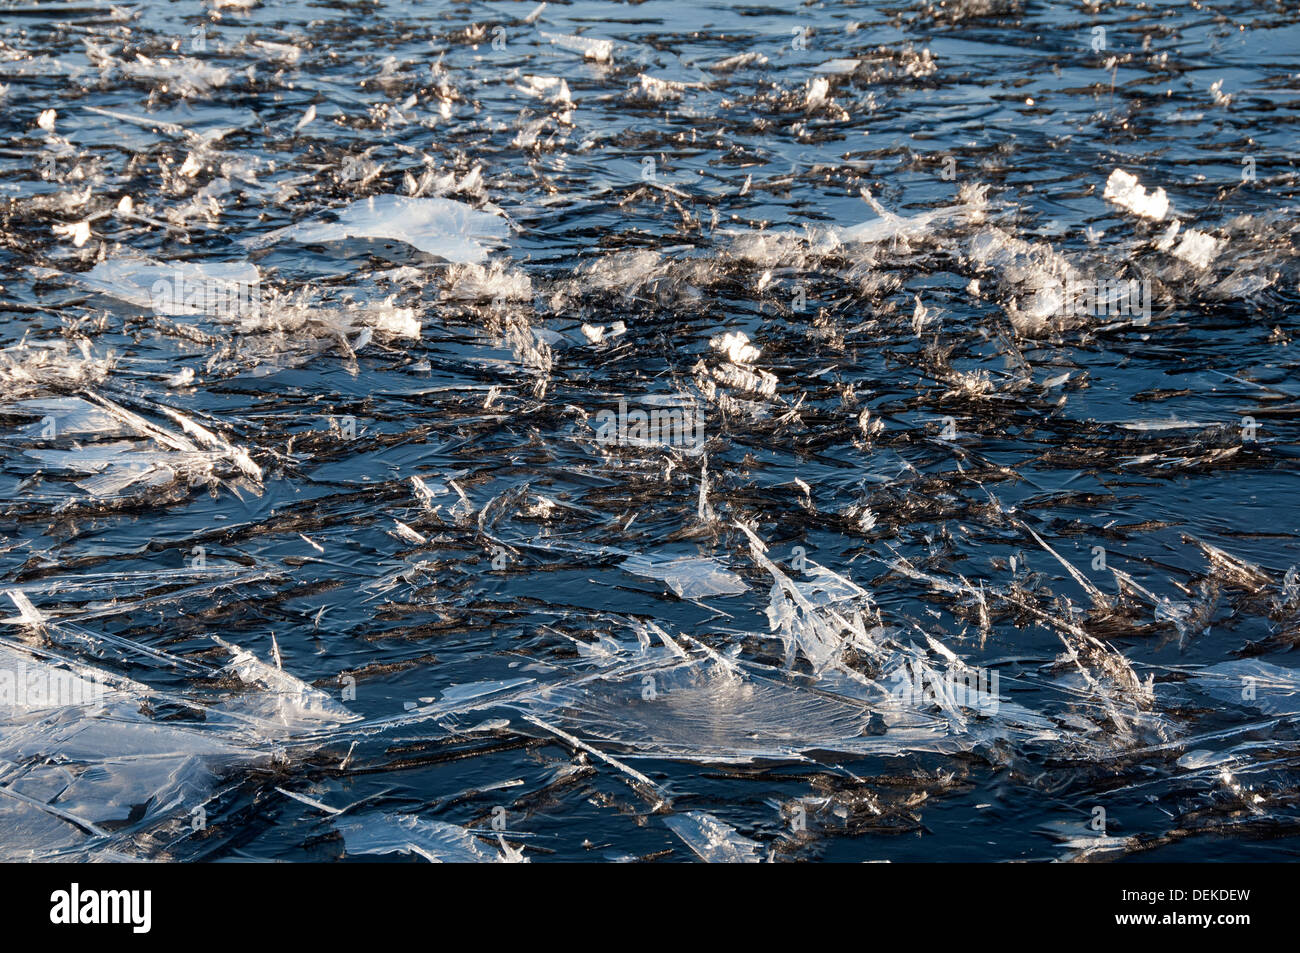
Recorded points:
593,431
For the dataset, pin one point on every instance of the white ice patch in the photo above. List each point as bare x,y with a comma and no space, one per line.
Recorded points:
690,578
438,226
735,345
1197,249
435,841
590,47
714,841
176,288
282,698
1123,189
494,282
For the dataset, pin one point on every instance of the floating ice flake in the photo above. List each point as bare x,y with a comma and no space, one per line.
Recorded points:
299,315
590,47
690,578
552,88
197,455
443,227
735,345
817,93
659,90
78,233
283,698
1253,683
435,841
177,288
712,840
738,61
838,67
184,75
1124,190
494,282
893,227
1197,248
37,367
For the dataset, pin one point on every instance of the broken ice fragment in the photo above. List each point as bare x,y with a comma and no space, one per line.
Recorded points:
589,47
176,288
1123,189
435,841
690,578
443,227
714,841
1197,248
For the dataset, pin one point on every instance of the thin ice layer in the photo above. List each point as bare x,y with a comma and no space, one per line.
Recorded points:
714,841
690,578
435,841
443,227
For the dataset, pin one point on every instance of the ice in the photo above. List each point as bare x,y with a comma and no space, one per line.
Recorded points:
40,367
735,345
891,227
184,75
112,761
177,287
793,610
1253,683
817,93
1113,692
1124,190
553,88
740,60
281,698
714,841
435,841
690,578
495,282
69,416
302,316
838,67
592,48
1197,248
467,593
197,454
703,709
657,90
624,271
438,226
1033,272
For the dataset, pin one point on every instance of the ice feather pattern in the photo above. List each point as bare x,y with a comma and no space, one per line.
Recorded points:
466,433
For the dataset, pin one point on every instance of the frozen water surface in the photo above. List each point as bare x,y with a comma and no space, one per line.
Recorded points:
489,432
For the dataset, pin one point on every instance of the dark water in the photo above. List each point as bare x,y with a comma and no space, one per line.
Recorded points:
905,415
